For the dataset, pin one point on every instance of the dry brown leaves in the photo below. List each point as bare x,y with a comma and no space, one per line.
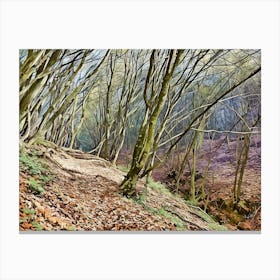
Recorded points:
79,201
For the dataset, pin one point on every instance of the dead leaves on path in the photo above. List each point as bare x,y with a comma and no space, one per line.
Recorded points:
84,204
84,196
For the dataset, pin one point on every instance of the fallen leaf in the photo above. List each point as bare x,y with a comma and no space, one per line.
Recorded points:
26,225
52,220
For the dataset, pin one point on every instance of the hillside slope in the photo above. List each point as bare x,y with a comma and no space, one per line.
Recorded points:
71,190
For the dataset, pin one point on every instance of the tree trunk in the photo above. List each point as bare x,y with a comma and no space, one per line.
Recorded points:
146,135
240,168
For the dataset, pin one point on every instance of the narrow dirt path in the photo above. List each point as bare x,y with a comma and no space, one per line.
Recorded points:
84,195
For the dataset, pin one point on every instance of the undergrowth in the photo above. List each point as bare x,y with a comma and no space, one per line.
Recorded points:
36,187
37,226
142,199
180,224
123,168
206,217
31,163
34,166
156,186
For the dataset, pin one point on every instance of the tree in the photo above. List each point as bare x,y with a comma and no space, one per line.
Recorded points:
146,134
51,82
148,101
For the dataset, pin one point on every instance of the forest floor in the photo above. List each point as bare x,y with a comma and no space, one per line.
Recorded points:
220,180
72,190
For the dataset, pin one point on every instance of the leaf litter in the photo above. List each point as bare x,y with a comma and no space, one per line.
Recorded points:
83,195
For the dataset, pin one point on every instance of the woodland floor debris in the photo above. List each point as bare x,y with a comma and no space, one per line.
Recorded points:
219,183
82,193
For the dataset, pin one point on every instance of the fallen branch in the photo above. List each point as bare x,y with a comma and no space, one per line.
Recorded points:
183,219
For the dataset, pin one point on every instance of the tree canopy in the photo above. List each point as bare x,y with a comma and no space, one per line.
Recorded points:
146,101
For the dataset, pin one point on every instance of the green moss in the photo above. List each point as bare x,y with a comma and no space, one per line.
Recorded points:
42,141
217,227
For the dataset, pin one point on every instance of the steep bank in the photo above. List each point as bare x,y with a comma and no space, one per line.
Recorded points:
71,190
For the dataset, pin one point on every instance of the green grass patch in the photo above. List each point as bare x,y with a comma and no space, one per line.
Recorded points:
156,186
37,226
36,187
45,179
213,225
28,211
24,220
217,227
31,164
71,228
180,225
123,168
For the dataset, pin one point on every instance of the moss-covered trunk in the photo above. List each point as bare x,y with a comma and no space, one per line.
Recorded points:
240,168
147,130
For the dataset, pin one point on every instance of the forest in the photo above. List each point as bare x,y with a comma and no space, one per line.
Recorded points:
140,139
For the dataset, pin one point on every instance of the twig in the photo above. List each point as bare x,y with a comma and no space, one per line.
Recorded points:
256,212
